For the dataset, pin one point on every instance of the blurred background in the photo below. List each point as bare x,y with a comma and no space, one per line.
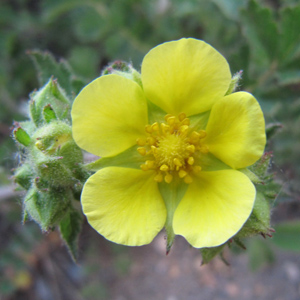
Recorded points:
262,38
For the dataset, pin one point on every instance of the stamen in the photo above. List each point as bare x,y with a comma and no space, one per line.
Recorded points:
171,120
182,173
197,169
142,151
148,129
144,167
191,148
177,162
141,142
191,160
167,117
164,168
158,177
202,134
151,140
186,121
155,126
171,149
181,116
188,179
168,178
204,149
150,164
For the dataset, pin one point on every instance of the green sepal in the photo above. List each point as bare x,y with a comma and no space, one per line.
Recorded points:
70,227
234,83
47,208
259,220
260,168
51,137
47,67
123,69
209,253
129,158
55,172
49,113
22,136
23,176
171,193
50,93
253,177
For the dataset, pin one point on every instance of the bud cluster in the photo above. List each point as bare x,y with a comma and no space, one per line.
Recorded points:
50,168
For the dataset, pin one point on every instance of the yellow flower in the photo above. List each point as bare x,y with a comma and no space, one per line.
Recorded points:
171,147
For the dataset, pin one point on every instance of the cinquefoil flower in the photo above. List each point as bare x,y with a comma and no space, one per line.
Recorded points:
172,146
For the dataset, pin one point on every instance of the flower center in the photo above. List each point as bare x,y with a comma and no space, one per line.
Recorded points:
170,148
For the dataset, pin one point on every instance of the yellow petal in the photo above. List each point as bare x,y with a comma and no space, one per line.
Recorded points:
214,208
236,130
109,115
185,76
124,205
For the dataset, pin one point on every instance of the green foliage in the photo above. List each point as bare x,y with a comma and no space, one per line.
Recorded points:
50,169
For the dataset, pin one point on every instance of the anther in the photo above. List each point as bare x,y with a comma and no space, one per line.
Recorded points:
194,136
183,128
204,149
167,117
182,173
168,178
177,162
151,140
197,169
181,116
164,127
148,128
190,148
155,126
150,164
158,177
186,121
191,160
141,142
164,168
202,134
171,120
188,179
144,167
142,151
154,150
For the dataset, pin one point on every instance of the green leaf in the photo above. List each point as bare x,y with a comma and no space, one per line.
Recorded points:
209,253
51,93
47,67
22,136
290,77
230,8
287,235
70,227
261,32
49,113
48,207
289,37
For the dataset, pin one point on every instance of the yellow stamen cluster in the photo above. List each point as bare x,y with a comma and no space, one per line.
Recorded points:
171,148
